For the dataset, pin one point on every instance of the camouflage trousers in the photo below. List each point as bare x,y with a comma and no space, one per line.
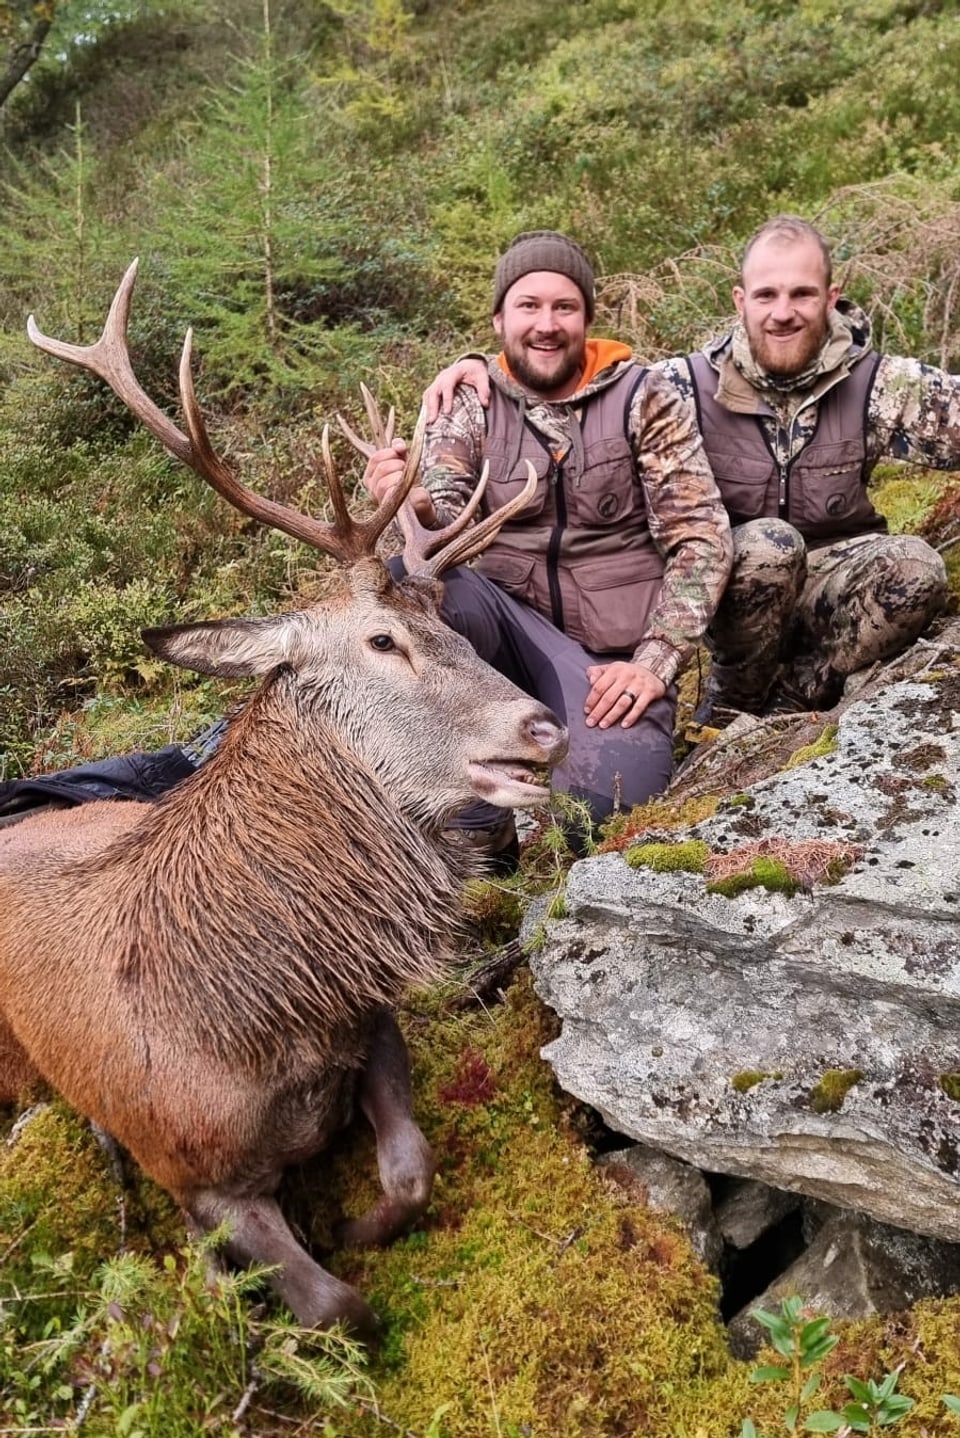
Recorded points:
795,622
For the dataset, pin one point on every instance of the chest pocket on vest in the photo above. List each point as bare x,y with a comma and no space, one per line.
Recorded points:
607,492
831,496
745,485
500,491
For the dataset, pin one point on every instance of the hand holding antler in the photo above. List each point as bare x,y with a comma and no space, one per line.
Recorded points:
387,461
428,552
385,470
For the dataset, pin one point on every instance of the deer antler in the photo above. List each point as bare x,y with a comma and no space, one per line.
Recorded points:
382,434
346,540
427,553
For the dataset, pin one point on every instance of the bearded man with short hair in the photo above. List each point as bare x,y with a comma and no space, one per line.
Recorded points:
796,408
594,595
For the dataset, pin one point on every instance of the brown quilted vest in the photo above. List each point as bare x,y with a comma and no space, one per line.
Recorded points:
581,552
823,490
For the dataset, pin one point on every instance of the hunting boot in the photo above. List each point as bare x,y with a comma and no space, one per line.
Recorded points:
730,692
494,841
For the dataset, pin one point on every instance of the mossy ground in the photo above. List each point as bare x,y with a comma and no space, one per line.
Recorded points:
59,1194
536,1299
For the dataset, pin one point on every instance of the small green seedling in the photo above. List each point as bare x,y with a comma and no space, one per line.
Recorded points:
804,1342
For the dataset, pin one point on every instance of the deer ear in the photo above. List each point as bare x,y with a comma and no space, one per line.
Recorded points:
228,648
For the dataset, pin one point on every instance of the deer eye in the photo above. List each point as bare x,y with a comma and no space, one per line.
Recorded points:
383,642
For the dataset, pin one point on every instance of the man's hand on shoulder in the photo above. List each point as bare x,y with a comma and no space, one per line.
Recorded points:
384,472
619,693
438,396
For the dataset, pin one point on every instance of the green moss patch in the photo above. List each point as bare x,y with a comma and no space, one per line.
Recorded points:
828,1095
763,873
747,1079
655,816
825,743
689,857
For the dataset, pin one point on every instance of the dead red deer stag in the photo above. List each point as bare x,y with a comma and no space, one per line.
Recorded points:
210,978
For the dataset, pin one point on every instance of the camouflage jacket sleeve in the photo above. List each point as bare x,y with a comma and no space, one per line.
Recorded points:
688,523
914,414
453,454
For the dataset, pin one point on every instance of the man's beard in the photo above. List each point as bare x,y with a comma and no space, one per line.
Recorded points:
780,361
540,377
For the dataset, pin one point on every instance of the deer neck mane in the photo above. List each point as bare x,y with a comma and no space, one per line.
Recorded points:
288,894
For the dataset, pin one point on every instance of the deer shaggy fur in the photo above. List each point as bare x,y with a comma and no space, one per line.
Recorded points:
210,977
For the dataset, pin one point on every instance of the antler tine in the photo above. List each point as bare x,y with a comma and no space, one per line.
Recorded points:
363,445
382,433
342,514
332,539
393,501
109,359
367,532
429,552
420,543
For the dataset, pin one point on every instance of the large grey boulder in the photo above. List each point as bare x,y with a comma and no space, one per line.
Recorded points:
810,1042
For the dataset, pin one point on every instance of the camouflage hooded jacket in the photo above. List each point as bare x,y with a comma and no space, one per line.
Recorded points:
912,411
683,513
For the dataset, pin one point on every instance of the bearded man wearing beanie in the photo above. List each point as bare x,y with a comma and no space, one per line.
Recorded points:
593,597
796,408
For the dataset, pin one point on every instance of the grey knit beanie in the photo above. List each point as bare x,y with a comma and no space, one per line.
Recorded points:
543,250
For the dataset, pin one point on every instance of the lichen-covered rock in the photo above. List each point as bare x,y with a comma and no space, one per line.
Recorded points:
842,1001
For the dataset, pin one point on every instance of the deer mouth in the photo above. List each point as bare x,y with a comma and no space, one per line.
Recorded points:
510,783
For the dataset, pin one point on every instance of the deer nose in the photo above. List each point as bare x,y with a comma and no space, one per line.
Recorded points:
549,734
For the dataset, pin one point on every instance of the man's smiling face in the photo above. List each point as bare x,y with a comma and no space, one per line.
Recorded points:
542,326
784,303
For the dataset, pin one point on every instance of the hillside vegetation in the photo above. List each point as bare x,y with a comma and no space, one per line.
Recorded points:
321,191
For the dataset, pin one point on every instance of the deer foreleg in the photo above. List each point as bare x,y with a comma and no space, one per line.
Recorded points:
404,1157
259,1235
19,1078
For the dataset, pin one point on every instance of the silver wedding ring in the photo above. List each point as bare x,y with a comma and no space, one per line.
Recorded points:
629,694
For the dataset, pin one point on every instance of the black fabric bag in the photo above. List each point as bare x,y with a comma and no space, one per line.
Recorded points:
133,776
